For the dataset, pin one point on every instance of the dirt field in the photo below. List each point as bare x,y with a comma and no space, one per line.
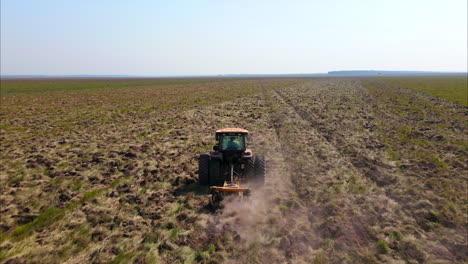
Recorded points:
359,171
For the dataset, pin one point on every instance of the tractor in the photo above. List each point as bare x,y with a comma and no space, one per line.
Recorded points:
231,168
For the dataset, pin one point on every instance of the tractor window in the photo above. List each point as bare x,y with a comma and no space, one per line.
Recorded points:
232,142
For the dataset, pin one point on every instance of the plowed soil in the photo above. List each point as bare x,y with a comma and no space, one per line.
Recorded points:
358,171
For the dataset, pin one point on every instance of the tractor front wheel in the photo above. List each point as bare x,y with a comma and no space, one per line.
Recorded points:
215,199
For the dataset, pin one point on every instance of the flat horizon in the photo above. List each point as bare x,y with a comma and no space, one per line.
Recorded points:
329,73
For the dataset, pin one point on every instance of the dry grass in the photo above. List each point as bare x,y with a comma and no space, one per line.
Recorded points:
358,172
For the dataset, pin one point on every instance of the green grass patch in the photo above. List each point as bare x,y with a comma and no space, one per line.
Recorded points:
10,86
392,153
453,88
86,197
46,218
204,255
63,165
123,257
76,186
382,247
174,233
92,194
395,235
356,185
439,162
118,181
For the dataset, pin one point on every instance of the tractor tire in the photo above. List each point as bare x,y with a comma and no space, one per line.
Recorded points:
249,169
215,200
204,170
216,174
260,170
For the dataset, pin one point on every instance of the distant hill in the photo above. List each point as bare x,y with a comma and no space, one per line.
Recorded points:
387,73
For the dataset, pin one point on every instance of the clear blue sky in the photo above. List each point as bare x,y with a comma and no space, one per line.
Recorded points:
229,37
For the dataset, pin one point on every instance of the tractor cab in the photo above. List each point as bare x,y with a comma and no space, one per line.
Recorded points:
231,139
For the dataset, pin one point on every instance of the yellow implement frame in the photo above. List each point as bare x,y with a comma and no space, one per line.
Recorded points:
230,187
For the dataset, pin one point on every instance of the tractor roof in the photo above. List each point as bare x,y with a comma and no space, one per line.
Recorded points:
232,130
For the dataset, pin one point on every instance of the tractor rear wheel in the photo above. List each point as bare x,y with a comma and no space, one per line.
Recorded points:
260,170
216,175
249,169
203,170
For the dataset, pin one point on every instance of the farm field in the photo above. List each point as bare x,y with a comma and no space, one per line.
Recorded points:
359,171
452,88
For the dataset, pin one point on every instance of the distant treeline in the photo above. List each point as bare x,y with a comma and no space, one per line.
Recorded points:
377,73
